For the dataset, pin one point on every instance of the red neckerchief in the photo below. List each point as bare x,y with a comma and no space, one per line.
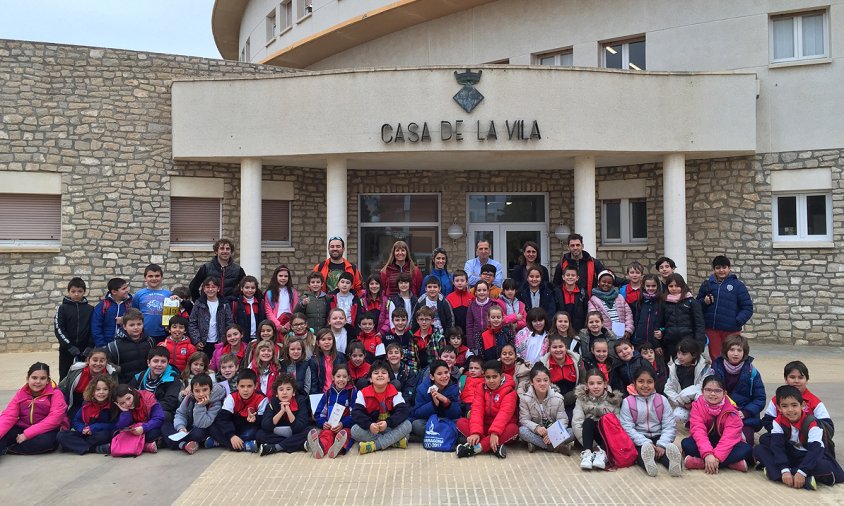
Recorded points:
632,294
91,410
294,406
370,341
569,296
603,369
360,371
562,372
511,370
372,304
242,406
84,379
241,352
785,422
422,342
489,337
139,414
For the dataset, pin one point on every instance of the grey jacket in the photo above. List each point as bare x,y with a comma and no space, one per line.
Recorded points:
200,321
533,413
190,414
592,407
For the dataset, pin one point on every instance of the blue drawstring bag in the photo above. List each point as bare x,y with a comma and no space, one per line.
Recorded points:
440,434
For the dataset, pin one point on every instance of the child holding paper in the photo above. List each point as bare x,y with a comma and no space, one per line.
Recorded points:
542,414
333,417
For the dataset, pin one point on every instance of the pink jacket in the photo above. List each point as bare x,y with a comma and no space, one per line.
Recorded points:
271,308
512,319
624,313
521,343
701,419
36,415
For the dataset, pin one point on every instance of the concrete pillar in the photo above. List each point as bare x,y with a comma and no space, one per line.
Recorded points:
336,195
674,209
250,216
584,202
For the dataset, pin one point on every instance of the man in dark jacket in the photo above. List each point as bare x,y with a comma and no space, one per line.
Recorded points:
588,267
161,379
726,304
130,348
72,325
221,267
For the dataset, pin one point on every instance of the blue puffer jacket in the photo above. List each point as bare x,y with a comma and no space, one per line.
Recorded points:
749,392
103,325
732,307
424,407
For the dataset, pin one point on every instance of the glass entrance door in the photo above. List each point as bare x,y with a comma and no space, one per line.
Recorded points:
506,241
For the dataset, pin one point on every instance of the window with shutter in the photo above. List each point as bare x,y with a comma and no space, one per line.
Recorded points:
275,222
195,220
26,217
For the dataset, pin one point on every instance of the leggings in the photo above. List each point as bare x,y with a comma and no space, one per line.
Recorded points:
591,435
293,443
76,442
42,443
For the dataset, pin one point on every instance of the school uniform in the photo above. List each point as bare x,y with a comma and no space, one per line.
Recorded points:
389,406
232,419
287,435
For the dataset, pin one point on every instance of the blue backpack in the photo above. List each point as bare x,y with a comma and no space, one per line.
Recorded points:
440,434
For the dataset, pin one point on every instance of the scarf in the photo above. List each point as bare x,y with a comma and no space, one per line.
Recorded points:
733,369
508,370
632,294
358,372
294,407
715,409
242,406
91,410
139,413
149,384
603,368
241,352
607,298
677,298
489,337
649,296
569,296
84,379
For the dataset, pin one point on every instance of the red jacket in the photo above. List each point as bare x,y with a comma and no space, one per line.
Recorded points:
498,407
390,279
179,352
470,387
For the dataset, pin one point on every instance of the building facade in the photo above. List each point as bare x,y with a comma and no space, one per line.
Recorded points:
691,129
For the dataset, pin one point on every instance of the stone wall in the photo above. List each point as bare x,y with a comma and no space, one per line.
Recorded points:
101,118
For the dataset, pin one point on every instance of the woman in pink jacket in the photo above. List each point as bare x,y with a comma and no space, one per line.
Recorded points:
33,417
607,301
716,439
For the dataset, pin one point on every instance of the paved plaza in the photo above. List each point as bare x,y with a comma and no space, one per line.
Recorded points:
406,477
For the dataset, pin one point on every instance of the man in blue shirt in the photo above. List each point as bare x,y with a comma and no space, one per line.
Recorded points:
473,265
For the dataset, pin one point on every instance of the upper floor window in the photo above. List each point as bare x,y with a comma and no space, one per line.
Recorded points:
30,209
272,25
563,58
625,54
286,14
303,8
246,52
799,36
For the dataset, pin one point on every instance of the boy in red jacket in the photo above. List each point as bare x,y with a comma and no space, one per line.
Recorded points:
178,343
494,421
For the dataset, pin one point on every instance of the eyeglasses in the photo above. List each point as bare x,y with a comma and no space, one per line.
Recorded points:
300,324
713,390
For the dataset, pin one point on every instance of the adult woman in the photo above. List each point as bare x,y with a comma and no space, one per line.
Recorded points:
530,258
439,270
398,262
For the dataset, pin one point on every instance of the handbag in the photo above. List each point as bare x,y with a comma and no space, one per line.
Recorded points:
440,434
126,444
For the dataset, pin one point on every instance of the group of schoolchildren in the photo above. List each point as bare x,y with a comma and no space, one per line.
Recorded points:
492,365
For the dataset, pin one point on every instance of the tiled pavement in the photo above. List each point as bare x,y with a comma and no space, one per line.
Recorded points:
410,477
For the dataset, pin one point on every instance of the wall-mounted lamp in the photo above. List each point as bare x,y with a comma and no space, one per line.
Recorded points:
455,231
562,232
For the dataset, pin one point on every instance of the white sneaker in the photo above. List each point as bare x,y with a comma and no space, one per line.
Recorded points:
586,459
675,459
648,453
599,459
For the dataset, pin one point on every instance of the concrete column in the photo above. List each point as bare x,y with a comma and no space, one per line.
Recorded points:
584,202
336,194
674,209
250,216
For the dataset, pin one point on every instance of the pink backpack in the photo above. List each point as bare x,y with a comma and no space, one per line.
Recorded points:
126,444
620,448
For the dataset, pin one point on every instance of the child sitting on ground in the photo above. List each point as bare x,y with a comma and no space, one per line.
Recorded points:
380,413
328,439
540,406
648,420
162,380
77,379
494,419
287,419
594,400
93,424
685,377
742,382
400,374
437,395
238,421
196,413
139,414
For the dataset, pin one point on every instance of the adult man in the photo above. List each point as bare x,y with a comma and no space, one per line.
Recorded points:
473,265
335,264
587,266
222,267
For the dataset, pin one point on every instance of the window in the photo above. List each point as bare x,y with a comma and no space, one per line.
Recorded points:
626,55
387,218
275,222
507,208
195,220
30,210
802,217
271,25
246,52
624,221
303,8
799,36
286,14
559,58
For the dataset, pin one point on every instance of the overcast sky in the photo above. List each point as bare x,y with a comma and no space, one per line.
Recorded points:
163,26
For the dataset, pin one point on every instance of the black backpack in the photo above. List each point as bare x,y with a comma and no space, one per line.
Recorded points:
803,435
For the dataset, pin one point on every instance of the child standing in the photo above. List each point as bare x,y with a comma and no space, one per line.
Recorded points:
196,413
373,300
32,419
264,363
594,400
648,313
716,439
648,420
477,316
295,363
742,382
266,332
496,335
727,306
427,343
795,453
178,343
432,298
437,395
343,299
234,344
93,425
72,325
561,326
106,318
150,301
535,293
607,301
237,423
281,298
532,341
248,307
595,329
460,298
399,332
339,329
631,291
128,352
299,330
514,309
380,413
314,302
541,406
683,317
209,318
328,439
685,377
494,420
287,419
403,299
574,301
